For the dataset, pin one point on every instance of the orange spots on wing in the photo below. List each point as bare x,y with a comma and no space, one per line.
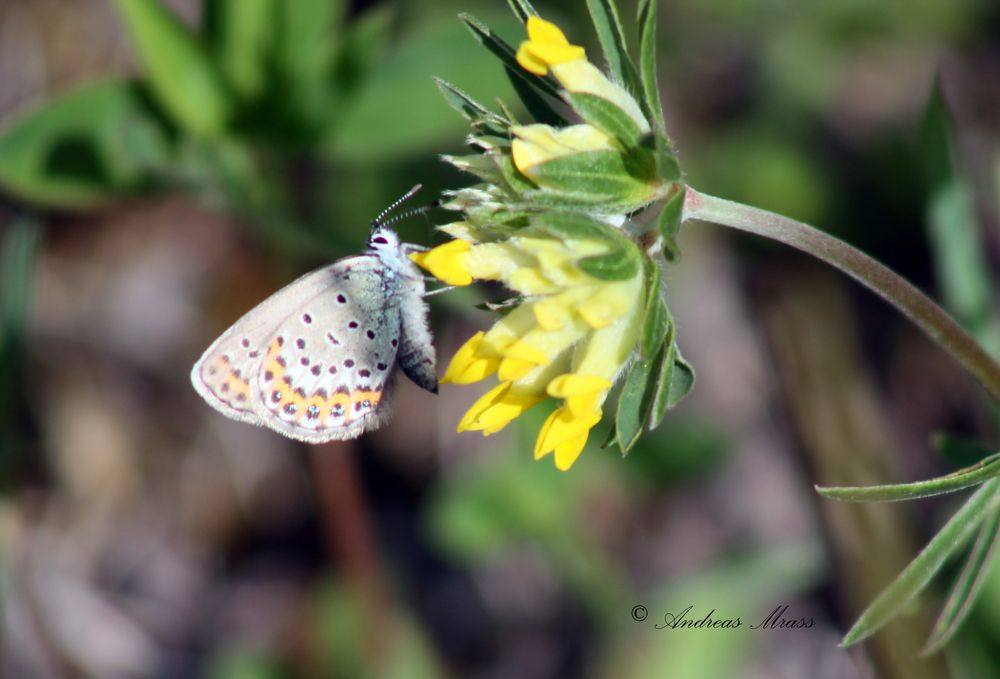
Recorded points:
272,362
236,387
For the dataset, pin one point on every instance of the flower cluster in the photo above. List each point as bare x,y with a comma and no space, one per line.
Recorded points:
550,221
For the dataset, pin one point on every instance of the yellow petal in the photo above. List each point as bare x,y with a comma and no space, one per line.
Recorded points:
446,262
572,384
523,351
466,366
529,62
583,404
552,54
485,401
563,426
513,369
540,30
502,413
568,451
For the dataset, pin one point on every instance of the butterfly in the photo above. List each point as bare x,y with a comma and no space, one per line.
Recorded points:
316,360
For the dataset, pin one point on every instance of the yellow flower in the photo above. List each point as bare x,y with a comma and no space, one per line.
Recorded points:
568,339
547,50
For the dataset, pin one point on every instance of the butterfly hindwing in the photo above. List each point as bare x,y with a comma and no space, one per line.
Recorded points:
326,369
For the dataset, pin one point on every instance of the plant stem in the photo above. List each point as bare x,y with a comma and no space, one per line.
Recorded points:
896,290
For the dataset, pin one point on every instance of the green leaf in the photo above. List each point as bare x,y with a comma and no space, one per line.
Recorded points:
668,223
954,231
240,35
605,116
682,379
537,104
617,265
963,478
916,576
522,9
604,14
661,394
307,35
620,263
396,112
966,589
481,117
635,401
507,55
178,70
83,148
595,177
656,316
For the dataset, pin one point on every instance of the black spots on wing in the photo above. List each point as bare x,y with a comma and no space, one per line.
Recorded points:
381,366
395,342
276,395
316,369
307,318
254,354
225,359
281,341
287,379
304,360
353,325
364,372
332,370
342,389
212,371
348,363
341,299
224,388
300,392
300,343
241,397
337,410
312,412
245,343
281,361
371,334
268,375
333,340
291,408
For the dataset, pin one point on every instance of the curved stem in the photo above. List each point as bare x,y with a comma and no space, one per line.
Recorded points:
896,290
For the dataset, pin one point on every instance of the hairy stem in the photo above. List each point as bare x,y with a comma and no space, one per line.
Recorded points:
896,290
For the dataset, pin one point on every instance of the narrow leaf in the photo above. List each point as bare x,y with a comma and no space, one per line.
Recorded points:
617,265
240,35
522,9
178,69
966,588
647,64
963,478
655,314
605,116
507,55
472,110
634,403
661,395
604,14
916,576
83,148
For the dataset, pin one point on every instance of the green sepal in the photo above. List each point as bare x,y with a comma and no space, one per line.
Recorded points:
605,116
668,223
655,319
675,380
522,9
516,182
621,262
178,70
606,178
482,166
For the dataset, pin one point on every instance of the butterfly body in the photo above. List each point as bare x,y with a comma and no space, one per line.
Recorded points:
316,360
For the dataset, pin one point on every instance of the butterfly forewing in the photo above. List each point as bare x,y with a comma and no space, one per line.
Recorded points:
327,366
224,373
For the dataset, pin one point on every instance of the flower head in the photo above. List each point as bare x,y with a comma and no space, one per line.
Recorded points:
550,220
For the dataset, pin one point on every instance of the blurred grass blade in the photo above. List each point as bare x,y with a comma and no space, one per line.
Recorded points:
966,589
604,14
522,9
240,34
954,230
362,45
927,563
83,148
963,478
308,31
179,72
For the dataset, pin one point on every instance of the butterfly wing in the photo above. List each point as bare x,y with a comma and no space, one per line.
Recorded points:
327,365
224,373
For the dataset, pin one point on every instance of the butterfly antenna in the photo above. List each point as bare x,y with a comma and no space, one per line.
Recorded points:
409,213
377,222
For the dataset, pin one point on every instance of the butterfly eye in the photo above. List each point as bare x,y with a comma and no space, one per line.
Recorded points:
380,240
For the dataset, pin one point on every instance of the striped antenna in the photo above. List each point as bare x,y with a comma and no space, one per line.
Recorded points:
377,222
